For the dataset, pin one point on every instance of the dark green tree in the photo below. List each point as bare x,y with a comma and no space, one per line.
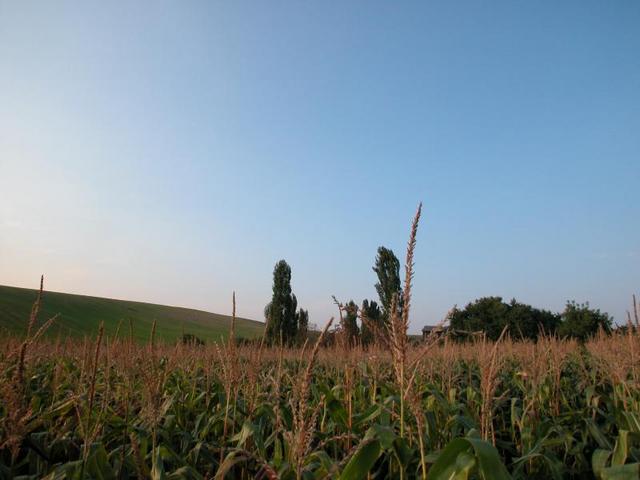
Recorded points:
350,323
387,268
488,315
527,322
280,313
303,325
491,315
372,322
581,322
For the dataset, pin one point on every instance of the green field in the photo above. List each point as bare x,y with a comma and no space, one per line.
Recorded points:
80,315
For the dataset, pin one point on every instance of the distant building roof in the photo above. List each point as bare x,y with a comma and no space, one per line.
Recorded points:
431,328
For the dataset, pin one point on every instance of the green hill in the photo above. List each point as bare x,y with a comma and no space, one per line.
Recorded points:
80,315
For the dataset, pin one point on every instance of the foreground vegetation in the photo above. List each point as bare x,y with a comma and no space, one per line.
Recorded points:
107,408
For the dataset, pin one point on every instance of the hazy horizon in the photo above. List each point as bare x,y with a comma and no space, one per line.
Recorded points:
172,153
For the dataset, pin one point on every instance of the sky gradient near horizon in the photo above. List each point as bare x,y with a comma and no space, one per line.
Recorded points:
172,152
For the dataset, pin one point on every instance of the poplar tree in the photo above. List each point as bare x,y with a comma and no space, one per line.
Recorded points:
280,313
303,325
387,268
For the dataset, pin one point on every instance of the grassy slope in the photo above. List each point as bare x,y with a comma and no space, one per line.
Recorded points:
80,315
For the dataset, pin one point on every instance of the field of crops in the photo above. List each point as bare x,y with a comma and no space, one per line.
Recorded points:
109,408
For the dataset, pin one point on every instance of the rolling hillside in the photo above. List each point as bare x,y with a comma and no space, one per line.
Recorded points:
81,315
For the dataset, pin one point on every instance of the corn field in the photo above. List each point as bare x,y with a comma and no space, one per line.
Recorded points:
109,408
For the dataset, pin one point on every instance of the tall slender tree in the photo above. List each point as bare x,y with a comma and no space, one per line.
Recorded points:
303,325
280,313
387,268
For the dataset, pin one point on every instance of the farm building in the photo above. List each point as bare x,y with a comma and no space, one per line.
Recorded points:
428,329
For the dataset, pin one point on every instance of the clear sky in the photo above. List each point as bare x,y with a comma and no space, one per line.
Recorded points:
173,151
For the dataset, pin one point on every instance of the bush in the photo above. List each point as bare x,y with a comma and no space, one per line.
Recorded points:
190,339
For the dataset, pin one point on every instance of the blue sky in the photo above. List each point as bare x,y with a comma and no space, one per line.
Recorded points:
173,151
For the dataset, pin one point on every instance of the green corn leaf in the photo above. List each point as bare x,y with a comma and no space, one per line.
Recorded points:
597,435
324,463
487,461
98,464
465,462
230,460
68,471
402,451
362,461
621,449
338,412
368,415
278,454
631,471
599,461
248,429
384,434
184,473
633,420
446,467
157,472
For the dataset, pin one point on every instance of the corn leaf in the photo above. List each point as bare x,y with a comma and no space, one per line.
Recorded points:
362,461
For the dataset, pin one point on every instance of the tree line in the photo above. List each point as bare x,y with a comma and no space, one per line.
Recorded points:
362,324
366,323
491,315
